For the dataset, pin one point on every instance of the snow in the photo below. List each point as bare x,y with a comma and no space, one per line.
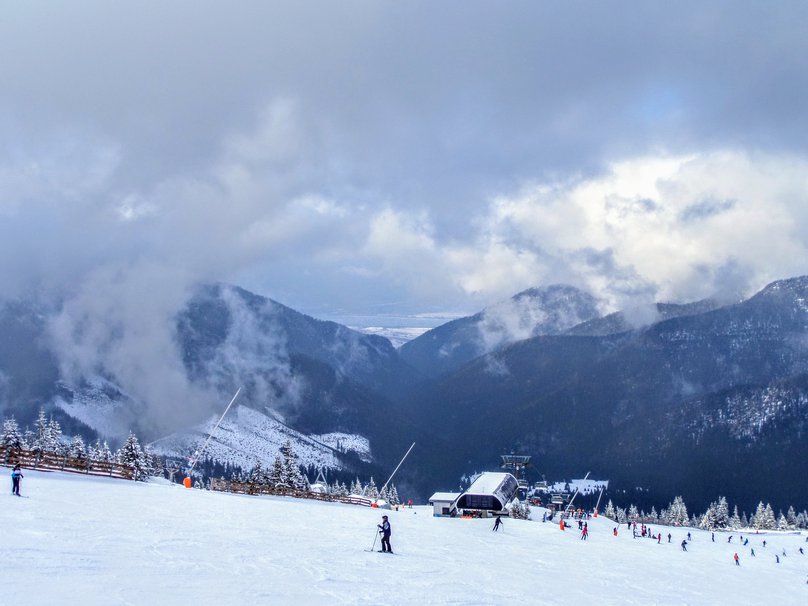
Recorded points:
583,486
80,540
247,435
487,483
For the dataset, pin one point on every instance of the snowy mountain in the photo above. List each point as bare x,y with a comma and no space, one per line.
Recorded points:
247,436
537,311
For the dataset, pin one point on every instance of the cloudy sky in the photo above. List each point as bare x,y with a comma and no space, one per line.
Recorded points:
377,158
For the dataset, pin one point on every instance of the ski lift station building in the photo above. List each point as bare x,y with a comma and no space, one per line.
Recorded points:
492,491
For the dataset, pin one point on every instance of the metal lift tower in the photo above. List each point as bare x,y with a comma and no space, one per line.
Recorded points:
517,464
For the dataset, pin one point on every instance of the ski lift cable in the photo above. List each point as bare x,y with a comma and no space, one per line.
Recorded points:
210,435
575,495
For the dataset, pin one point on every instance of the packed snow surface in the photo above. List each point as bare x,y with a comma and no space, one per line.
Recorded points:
86,541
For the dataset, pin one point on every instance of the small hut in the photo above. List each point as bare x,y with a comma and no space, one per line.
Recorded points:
443,503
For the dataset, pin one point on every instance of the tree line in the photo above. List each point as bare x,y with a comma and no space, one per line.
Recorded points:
717,516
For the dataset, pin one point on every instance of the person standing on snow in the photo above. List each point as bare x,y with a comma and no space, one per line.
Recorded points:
669,537
384,530
737,561
16,476
497,524
584,532
684,545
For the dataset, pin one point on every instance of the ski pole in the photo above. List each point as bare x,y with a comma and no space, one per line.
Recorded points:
375,537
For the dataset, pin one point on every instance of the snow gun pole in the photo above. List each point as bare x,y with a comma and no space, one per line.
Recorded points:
397,466
600,496
573,496
199,452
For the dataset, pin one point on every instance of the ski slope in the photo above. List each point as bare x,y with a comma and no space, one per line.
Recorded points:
80,540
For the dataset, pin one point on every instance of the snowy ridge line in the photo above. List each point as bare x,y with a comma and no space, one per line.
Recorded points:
52,461
252,489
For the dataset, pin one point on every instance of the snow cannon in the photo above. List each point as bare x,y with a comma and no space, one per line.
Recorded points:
187,482
595,514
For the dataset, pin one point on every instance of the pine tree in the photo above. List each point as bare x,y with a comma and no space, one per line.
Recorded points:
791,519
11,435
708,519
372,491
721,513
292,476
609,513
770,520
759,517
394,499
735,521
653,517
131,455
782,523
40,437
257,475
77,449
745,522
620,515
276,475
53,437
633,514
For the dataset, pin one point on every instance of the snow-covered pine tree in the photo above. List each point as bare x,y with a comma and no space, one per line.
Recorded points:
759,521
664,518
77,449
257,475
770,520
721,513
40,437
609,513
371,491
131,454
53,437
276,478
384,494
707,521
633,514
782,523
735,521
356,487
791,518
677,512
292,476
11,434
745,522
620,515
653,517
394,498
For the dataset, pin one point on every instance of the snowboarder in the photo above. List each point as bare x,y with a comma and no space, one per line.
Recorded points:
16,476
497,524
737,561
384,530
684,545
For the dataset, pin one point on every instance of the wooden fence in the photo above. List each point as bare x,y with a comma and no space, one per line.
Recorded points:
30,459
222,485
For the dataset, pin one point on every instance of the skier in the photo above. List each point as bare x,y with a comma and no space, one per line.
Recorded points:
713,537
688,537
777,557
384,530
801,551
584,532
659,538
497,524
684,545
764,542
729,540
753,552
737,561
669,537
16,476
615,533
544,517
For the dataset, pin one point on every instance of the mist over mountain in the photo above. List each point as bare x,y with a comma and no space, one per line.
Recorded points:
703,399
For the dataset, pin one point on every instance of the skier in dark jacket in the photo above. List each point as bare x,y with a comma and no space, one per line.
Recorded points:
16,476
497,524
384,530
684,545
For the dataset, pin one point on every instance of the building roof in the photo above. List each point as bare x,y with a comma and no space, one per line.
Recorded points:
487,483
444,496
